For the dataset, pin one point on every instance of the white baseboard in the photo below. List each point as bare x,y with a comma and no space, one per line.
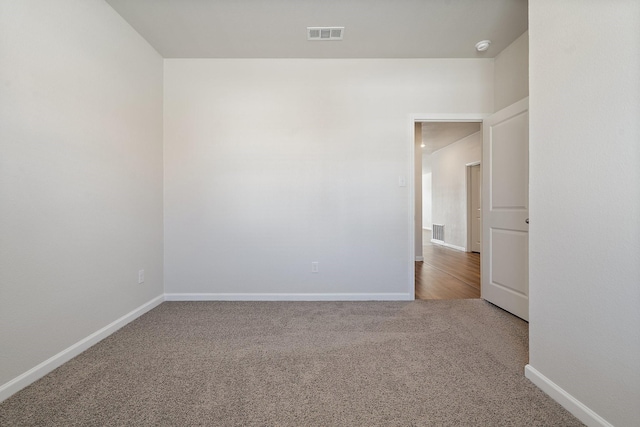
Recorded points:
419,258
570,403
69,353
288,297
441,243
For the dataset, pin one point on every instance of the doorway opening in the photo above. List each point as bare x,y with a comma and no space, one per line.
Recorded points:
446,152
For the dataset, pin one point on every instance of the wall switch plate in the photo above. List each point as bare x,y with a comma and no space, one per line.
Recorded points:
314,267
140,276
402,181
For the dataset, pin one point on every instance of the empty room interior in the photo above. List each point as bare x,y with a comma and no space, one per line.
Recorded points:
221,212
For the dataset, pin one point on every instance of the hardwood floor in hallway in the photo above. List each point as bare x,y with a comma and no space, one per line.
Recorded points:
447,274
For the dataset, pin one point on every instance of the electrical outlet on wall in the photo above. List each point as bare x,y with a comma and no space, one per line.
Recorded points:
314,267
140,276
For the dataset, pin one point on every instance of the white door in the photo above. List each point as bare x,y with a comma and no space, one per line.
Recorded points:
476,206
505,209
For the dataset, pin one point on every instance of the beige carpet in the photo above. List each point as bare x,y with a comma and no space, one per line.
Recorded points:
421,363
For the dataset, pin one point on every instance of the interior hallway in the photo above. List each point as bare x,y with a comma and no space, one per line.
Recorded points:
446,273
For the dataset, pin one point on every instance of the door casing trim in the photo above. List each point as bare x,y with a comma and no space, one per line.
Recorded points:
424,117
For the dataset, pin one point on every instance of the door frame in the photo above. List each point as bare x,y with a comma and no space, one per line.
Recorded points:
469,210
417,210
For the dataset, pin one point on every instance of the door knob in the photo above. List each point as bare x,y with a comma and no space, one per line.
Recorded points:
527,220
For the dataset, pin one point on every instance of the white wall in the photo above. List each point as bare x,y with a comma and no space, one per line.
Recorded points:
80,175
585,202
511,76
271,164
427,217
449,186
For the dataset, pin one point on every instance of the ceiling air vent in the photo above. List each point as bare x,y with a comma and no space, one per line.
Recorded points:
325,33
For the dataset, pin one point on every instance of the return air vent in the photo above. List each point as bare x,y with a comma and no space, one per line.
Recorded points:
438,232
325,33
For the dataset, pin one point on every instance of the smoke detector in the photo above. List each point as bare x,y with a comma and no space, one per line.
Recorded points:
325,33
483,45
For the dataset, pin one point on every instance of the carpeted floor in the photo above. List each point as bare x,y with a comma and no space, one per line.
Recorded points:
420,363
